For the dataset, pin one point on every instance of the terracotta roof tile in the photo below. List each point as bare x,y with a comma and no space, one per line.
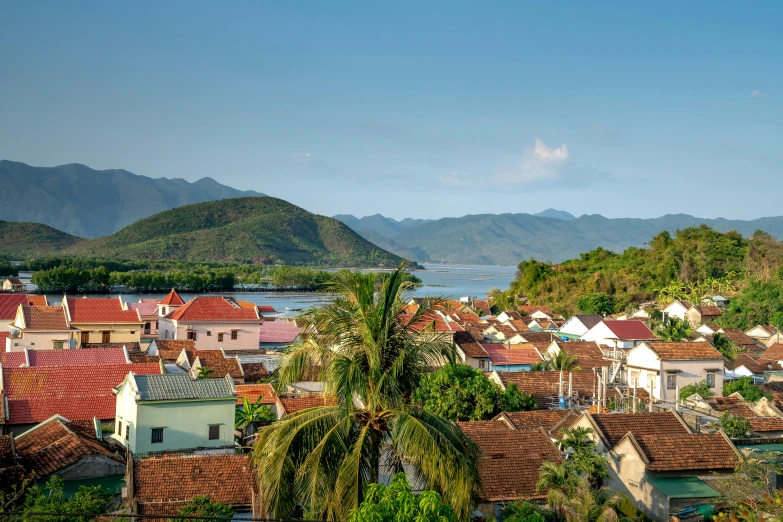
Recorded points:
83,357
540,340
145,309
45,318
37,300
685,351
9,304
216,361
731,404
545,385
279,332
589,355
630,330
754,364
614,426
6,450
766,424
255,372
213,308
510,459
519,325
738,337
531,309
433,320
169,350
55,445
499,354
469,346
99,310
773,353
132,347
172,298
255,391
546,419
162,485
74,392
295,404
708,311
693,452
481,305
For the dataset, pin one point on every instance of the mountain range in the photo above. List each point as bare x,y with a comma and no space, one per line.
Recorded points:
91,203
506,239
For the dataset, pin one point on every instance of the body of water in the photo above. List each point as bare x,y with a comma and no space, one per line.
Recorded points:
448,281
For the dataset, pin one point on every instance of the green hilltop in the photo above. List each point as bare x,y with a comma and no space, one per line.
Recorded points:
241,230
20,240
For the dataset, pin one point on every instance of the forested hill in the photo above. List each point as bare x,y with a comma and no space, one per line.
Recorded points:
90,203
691,264
20,240
505,239
245,230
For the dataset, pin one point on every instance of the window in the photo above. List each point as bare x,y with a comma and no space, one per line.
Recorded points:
163,310
671,381
214,431
191,336
234,335
711,380
32,344
157,435
481,363
58,345
119,427
105,336
127,431
220,337
85,338
209,333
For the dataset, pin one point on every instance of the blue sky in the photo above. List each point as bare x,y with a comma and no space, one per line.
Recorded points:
411,109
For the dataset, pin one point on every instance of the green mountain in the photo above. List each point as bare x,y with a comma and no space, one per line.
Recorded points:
92,203
506,239
378,224
253,229
20,240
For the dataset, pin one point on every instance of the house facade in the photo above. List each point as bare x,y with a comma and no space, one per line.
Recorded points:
39,328
619,334
662,368
579,325
102,321
157,413
213,323
677,309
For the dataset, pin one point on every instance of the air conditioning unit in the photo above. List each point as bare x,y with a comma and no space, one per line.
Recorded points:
188,327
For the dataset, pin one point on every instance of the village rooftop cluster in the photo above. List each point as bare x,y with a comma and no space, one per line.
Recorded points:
142,396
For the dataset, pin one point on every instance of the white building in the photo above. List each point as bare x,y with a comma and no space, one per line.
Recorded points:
212,323
579,325
677,309
619,334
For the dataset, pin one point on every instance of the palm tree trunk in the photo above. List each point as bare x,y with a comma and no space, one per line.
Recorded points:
375,456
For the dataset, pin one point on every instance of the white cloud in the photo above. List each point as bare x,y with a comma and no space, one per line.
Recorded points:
538,163
758,94
456,179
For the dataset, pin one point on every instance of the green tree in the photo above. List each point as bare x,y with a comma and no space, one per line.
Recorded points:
562,360
372,359
701,387
750,491
252,414
583,457
51,499
523,511
675,330
598,303
458,392
724,345
204,507
398,503
560,476
758,303
585,504
735,426
205,372
745,386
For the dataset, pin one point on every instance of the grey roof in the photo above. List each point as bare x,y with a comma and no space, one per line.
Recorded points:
590,320
179,387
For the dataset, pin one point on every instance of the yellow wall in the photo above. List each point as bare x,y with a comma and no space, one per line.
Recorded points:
119,333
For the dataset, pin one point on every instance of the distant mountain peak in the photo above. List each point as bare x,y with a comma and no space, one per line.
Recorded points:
556,214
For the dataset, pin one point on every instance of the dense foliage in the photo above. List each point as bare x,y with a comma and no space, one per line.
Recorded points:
51,499
204,507
701,388
694,263
735,426
57,274
746,387
458,392
398,503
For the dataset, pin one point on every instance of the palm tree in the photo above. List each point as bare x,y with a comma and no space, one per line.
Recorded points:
583,504
577,439
556,476
675,330
252,413
562,360
371,358
204,372
724,345
583,458
540,366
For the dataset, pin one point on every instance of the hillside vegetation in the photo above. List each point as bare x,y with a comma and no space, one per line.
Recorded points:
692,263
92,203
20,240
261,230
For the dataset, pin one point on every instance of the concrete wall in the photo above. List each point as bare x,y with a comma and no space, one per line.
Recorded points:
627,475
207,334
39,340
118,333
125,415
93,466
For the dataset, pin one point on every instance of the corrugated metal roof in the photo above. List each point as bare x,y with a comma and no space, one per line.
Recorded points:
179,387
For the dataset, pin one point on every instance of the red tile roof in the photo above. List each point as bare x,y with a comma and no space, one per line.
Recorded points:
216,361
75,392
766,424
84,357
162,485
266,309
213,308
279,332
738,337
254,372
45,318
255,391
510,459
685,351
481,305
518,354
708,452
172,298
544,386
295,404
146,308
55,445
9,304
12,359
614,426
469,346
630,330
708,311
547,419
588,353
99,310
430,320
773,353
531,309
37,300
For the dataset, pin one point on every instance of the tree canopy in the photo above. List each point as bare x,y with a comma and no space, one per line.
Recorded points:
398,503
